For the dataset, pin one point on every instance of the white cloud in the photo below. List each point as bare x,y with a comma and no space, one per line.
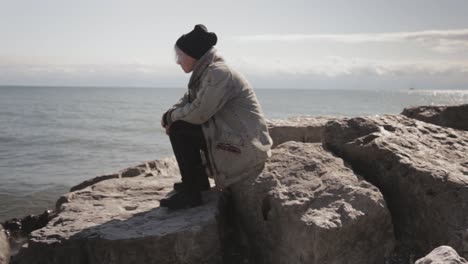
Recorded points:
445,41
90,74
338,66
295,70
79,69
300,65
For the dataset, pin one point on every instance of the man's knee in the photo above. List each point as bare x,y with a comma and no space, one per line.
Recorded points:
181,127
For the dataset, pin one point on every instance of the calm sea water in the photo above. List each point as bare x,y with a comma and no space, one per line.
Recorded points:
52,138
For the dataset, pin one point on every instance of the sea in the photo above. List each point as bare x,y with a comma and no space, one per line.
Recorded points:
52,138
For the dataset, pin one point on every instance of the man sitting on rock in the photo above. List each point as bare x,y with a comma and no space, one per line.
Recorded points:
219,115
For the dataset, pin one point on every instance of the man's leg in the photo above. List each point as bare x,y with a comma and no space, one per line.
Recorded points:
187,140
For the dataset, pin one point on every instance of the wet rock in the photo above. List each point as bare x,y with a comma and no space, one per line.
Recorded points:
131,172
93,181
421,169
28,223
120,221
448,116
13,225
442,255
34,222
4,247
308,207
300,129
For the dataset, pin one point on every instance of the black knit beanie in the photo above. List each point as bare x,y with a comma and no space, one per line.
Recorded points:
197,42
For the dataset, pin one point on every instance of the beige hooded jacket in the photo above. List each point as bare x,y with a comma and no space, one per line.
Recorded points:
224,103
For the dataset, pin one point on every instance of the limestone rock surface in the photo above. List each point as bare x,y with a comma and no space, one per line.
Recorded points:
4,247
301,129
448,116
307,207
119,220
442,255
421,169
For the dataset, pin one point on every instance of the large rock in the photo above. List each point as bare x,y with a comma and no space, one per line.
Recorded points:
4,247
442,255
308,207
421,169
449,116
119,220
300,129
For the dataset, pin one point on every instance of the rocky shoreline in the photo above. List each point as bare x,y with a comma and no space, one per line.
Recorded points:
381,189
453,116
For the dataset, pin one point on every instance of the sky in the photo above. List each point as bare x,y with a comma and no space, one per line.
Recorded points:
333,44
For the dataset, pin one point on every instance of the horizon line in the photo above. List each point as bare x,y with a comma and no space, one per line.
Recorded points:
261,88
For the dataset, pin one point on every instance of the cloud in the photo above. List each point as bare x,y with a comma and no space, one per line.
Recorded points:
272,70
445,41
335,66
90,74
281,70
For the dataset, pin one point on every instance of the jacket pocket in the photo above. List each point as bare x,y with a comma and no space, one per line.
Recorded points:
230,142
229,148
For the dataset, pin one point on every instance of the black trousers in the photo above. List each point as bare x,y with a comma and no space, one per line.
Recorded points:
187,140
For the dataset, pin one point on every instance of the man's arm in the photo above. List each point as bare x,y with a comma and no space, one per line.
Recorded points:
182,101
213,94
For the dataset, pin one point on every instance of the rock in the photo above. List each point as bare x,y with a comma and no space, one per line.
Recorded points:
442,255
34,222
18,229
92,181
119,221
448,116
308,207
131,172
421,170
12,225
26,224
4,247
300,129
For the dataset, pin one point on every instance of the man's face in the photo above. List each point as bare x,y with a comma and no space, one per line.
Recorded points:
186,62
187,65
